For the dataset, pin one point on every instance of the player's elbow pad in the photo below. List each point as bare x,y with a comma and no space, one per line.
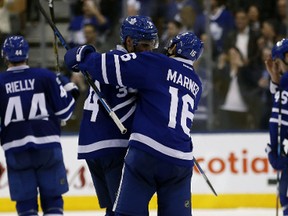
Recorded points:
73,89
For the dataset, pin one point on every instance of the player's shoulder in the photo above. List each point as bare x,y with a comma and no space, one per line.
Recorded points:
153,56
42,72
117,52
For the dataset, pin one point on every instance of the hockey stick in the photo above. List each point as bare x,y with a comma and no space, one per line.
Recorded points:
278,148
55,44
85,73
204,176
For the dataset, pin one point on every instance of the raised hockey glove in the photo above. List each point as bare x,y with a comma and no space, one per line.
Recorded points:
69,86
278,162
76,55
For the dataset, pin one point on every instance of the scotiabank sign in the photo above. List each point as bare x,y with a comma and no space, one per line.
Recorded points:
234,163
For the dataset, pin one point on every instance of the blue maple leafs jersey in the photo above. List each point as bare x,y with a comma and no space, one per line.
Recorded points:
98,135
33,101
168,94
273,122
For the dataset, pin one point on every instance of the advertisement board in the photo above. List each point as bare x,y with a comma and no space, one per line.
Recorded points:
235,163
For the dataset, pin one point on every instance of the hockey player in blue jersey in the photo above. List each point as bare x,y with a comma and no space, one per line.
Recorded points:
101,143
277,66
159,158
33,101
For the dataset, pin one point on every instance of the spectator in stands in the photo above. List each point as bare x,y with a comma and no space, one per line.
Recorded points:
91,14
91,36
221,22
264,93
188,17
173,28
174,8
133,7
32,12
254,17
281,13
231,88
243,38
5,25
269,34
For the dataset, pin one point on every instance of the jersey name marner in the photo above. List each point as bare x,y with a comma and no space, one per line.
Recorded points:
182,80
20,85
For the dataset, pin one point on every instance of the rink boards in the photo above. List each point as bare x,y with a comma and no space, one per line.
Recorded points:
236,165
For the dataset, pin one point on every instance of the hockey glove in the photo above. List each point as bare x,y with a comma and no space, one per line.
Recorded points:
76,55
69,86
277,162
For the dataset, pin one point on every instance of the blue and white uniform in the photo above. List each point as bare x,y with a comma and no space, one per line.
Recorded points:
33,101
160,152
99,136
101,143
281,163
169,91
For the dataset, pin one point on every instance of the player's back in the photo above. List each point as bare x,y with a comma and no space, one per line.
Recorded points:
166,107
98,134
32,104
168,94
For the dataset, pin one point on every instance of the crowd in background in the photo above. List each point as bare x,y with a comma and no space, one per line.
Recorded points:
240,33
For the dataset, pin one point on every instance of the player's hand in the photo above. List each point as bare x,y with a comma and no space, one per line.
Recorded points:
76,55
69,86
277,162
273,70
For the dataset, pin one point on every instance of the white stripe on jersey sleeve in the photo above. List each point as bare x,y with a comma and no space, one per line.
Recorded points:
103,67
30,138
161,148
66,109
114,143
283,111
128,114
118,72
275,120
67,118
123,104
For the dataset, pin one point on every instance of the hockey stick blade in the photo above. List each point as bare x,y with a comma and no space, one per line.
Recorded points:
204,176
87,76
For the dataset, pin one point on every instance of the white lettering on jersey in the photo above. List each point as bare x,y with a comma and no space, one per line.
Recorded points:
187,103
14,106
184,81
38,106
20,85
284,97
14,111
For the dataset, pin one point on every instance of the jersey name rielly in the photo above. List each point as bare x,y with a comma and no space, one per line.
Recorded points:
20,85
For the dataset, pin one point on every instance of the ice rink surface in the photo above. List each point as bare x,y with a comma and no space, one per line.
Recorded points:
196,212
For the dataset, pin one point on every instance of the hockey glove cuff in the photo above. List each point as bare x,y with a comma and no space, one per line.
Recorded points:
69,86
278,162
76,55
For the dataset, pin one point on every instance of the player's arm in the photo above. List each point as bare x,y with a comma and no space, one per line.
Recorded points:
69,86
279,162
109,68
60,100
